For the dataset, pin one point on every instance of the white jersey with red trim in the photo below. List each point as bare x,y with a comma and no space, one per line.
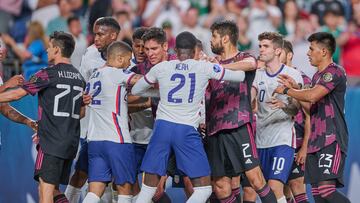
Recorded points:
108,112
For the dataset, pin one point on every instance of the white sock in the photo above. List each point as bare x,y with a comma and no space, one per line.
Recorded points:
124,198
91,198
73,194
282,200
114,196
201,194
107,196
134,198
146,194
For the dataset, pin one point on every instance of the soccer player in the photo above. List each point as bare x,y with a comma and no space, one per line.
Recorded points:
230,144
106,30
328,140
275,126
295,186
59,89
111,153
182,86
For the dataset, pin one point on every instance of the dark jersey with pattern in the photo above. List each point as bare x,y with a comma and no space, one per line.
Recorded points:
228,103
59,89
327,115
300,117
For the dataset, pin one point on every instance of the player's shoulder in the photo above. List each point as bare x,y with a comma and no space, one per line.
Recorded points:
91,51
334,68
290,70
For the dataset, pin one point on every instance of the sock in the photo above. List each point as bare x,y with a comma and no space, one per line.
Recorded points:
316,195
266,194
107,196
331,195
134,198
60,199
301,198
146,193
200,194
114,196
124,198
290,200
73,194
91,198
213,198
161,198
236,193
282,200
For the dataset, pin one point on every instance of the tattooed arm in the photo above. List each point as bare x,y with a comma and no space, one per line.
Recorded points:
12,114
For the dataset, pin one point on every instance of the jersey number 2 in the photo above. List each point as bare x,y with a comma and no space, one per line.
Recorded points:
181,85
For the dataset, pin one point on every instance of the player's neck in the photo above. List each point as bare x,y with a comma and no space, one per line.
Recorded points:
61,60
324,64
273,66
229,52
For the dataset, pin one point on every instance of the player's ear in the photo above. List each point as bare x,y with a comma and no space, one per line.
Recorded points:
225,39
165,46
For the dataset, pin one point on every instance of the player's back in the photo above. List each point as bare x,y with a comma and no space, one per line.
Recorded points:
108,109
182,87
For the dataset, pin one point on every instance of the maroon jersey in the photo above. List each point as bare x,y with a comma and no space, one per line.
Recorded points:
228,103
327,115
59,89
300,117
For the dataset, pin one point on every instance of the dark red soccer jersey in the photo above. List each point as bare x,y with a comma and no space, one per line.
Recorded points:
327,115
59,89
228,103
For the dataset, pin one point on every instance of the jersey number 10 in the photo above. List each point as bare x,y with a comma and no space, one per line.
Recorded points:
181,85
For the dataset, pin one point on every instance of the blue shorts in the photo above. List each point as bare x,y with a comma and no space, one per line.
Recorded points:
110,161
186,144
140,150
276,162
82,162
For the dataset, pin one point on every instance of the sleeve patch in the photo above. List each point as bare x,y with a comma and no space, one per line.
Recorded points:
327,77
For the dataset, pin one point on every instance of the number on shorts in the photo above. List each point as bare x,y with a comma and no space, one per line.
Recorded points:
245,147
278,163
328,159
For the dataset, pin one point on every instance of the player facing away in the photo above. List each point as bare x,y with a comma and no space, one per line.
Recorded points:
182,85
106,30
230,144
275,137
110,149
295,186
328,140
59,89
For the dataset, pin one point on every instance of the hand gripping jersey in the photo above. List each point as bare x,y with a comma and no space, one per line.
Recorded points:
108,112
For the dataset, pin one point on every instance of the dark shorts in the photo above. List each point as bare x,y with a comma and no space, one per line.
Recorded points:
297,171
52,169
140,150
326,164
82,163
231,152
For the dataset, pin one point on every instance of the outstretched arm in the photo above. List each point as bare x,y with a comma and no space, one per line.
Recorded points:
14,115
142,88
247,64
12,95
12,82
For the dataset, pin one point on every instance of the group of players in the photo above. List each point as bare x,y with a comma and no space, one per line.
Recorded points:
147,111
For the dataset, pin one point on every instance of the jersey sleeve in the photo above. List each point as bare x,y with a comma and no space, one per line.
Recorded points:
151,76
331,78
37,82
84,71
214,71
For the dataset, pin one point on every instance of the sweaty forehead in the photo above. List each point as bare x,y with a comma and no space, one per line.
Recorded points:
152,43
102,29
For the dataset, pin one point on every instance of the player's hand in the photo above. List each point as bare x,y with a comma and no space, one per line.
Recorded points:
276,103
279,90
35,139
86,99
33,125
288,81
15,81
301,156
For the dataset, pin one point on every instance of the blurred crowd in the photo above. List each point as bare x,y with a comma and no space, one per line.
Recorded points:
25,25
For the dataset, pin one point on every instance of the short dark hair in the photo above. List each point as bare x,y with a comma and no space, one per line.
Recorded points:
185,40
288,47
276,38
139,32
71,19
199,44
325,39
108,22
155,33
118,47
64,41
226,27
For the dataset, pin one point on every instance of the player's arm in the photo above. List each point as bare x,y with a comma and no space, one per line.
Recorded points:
14,115
12,95
12,82
253,95
301,155
144,88
82,111
247,64
139,106
133,79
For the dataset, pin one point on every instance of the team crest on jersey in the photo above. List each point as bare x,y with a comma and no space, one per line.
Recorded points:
217,68
327,77
33,79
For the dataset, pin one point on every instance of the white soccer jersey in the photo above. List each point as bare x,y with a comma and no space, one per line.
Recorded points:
108,111
182,87
1,81
90,61
273,126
